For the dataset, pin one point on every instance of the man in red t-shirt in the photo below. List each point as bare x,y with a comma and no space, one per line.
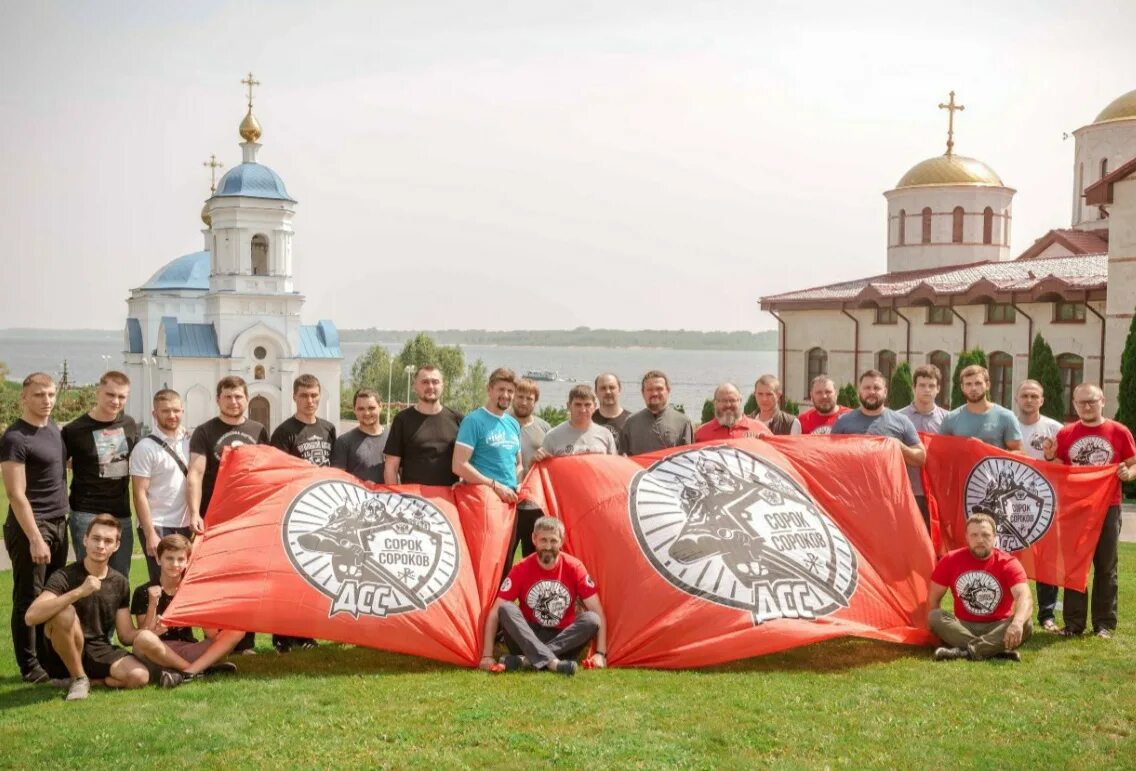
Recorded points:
992,598
1095,441
825,411
545,626
730,421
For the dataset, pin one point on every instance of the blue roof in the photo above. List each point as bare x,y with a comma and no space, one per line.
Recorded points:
320,341
194,341
134,335
252,180
190,271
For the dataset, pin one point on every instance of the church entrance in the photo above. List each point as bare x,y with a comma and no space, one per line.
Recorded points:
260,411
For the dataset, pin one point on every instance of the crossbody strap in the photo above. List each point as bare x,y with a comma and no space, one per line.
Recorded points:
170,451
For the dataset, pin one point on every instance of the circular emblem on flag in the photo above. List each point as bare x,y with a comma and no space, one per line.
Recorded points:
979,592
733,528
376,554
1019,498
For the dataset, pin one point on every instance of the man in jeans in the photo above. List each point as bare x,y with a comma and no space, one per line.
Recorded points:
99,445
35,532
158,468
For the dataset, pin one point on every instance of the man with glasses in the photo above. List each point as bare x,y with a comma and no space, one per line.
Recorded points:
1094,440
729,420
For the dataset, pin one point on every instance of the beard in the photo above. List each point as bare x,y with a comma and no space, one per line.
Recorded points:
547,557
520,411
872,404
727,419
980,553
975,399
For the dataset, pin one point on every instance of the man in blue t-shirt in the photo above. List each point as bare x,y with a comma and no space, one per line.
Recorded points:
874,419
980,418
488,447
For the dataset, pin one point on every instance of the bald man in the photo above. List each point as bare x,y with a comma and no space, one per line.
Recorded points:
730,421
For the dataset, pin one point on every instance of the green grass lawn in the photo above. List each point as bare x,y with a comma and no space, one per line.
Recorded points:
848,703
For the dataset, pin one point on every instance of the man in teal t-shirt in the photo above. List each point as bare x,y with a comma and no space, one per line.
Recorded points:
488,447
979,417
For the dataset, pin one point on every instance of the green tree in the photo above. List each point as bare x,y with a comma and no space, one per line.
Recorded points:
1126,398
374,369
707,410
847,396
751,405
423,350
792,407
965,359
901,391
553,415
468,392
1043,369
4,371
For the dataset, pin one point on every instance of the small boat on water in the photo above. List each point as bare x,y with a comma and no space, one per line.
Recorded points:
542,374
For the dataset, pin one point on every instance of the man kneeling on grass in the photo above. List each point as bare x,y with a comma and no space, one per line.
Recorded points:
173,654
992,598
545,632
79,606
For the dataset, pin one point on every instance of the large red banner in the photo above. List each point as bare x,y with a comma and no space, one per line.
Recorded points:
723,551
314,552
1049,515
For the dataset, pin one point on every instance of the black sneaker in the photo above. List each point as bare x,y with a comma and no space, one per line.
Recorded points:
565,668
36,675
1010,656
221,668
951,654
513,663
305,643
172,679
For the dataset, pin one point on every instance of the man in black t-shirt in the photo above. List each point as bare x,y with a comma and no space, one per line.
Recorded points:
79,607
33,461
310,438
173,654
610,414
360,450
99,445
420,448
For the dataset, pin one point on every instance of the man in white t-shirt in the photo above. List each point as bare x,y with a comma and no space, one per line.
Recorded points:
158,469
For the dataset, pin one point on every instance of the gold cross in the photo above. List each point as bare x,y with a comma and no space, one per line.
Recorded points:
951,108
213,165
250,83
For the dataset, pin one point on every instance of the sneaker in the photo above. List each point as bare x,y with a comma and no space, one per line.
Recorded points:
79,689
1010,656
950,654
1104,634
36,675
565,668
1049,625
172,679
248,652
221,668
282,645
306,643
513,663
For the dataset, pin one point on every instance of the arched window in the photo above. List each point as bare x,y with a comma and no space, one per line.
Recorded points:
816,364
1104,167
1002,378
885,363
261,411
956,225
941,360
1072,368
258,373
902,227
927,225
259,255
987,225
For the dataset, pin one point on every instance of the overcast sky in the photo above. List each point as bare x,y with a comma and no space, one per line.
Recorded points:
526,164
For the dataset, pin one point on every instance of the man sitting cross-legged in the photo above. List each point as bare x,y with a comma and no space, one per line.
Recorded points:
174,654
78,607
545,628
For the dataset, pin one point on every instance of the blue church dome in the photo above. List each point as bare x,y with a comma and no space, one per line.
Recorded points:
252,180
190,271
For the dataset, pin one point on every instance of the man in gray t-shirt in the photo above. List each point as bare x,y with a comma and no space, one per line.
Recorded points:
360,450
579,435
927,417
659,425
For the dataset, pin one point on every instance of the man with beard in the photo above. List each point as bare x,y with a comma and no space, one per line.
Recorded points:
874,419
610,413
1094,440
533,430
981,418
420,448
360,450
825,410
158,468
545,632
729,421
992,602
488,446
767,394
658,425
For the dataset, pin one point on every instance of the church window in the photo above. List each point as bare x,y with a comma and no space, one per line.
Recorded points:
885,363
988,225
886,316
1068,312
927,225
258,373
817,364
1000,313
259,353
1072,369
902,227
259,255
939,314
1001,378
941,360
1104,168
956,225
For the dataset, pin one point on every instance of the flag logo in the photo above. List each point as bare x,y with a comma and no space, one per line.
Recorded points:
1019,498
734,529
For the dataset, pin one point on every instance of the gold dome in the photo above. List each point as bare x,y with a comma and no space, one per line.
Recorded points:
950,170
250,127
1122,107
205,215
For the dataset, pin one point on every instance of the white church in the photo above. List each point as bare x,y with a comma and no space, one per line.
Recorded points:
953,283
232,308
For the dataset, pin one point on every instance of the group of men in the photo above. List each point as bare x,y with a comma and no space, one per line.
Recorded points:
63,617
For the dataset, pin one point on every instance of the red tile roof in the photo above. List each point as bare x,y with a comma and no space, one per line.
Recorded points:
1076,241
1100,192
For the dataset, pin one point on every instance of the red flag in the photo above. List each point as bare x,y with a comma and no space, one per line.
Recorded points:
1049,515
727,550
314,552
